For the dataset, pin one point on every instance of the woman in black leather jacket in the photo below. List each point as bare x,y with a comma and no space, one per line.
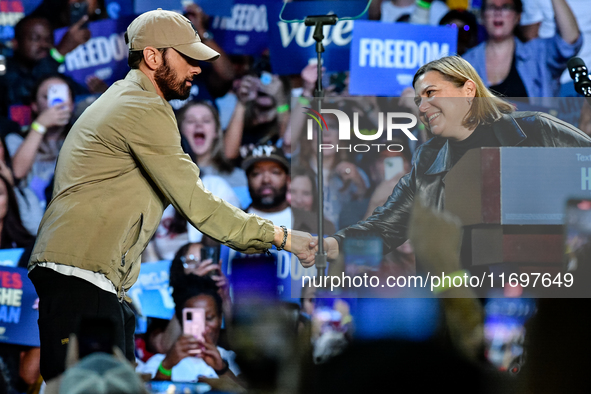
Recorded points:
462,114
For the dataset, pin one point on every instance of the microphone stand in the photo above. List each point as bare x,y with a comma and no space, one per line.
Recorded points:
319,21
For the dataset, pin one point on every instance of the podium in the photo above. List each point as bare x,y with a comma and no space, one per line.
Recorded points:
511,202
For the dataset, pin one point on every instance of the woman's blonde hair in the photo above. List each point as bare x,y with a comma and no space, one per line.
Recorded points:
486,108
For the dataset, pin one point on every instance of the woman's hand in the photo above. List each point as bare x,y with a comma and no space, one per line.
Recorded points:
210,354
58,115
186,346
350,173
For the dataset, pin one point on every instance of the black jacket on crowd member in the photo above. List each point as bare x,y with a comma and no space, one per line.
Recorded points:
433,160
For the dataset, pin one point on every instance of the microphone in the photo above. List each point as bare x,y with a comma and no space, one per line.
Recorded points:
579,73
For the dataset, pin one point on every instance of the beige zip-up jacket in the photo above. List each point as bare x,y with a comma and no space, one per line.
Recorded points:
120,166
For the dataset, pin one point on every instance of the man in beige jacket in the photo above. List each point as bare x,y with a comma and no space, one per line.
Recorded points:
120,166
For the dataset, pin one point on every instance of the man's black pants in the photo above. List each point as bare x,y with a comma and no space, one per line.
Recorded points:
63,300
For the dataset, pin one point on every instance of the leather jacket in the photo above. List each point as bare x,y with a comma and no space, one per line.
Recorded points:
432,162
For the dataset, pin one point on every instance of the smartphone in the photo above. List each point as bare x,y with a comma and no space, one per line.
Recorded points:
362,254
213,253
95,335
392,167
194,322
266,78
77,11
58,93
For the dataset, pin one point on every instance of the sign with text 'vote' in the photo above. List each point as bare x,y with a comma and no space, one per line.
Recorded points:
385,57
292,45
104,55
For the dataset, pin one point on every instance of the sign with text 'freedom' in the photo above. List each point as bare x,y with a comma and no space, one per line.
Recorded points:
292,45
104,55
385,57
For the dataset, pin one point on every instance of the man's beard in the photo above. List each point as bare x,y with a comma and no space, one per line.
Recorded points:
267,202
169,84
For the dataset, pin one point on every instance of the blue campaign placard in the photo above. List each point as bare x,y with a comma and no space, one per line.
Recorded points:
151,293
385,57
292,46
210,7
104,55
18,308
537,182
10,257
289,271
245,31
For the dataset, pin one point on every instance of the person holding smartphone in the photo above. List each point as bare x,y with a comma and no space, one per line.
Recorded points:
34,157
192,357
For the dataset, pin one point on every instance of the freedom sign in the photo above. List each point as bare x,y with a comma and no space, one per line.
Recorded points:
18,312
104,55
246,31
292,45
385,56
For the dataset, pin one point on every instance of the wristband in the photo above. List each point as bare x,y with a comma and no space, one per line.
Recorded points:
223,370
164,371
284,238
443,287
283,108
423,4
38,127
58,57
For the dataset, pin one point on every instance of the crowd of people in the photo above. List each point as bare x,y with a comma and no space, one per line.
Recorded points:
247,134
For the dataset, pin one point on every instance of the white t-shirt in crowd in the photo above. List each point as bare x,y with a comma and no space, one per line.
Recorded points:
189,369
391,12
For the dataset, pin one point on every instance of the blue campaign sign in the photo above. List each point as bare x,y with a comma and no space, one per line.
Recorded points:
245,31
289,272
104,55
385,57
537,182
292,46
210,7
151,293
18,308
10,257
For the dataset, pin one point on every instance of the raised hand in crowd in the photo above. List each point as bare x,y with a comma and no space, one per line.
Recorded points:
58,115
246,88
76,35
350,174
